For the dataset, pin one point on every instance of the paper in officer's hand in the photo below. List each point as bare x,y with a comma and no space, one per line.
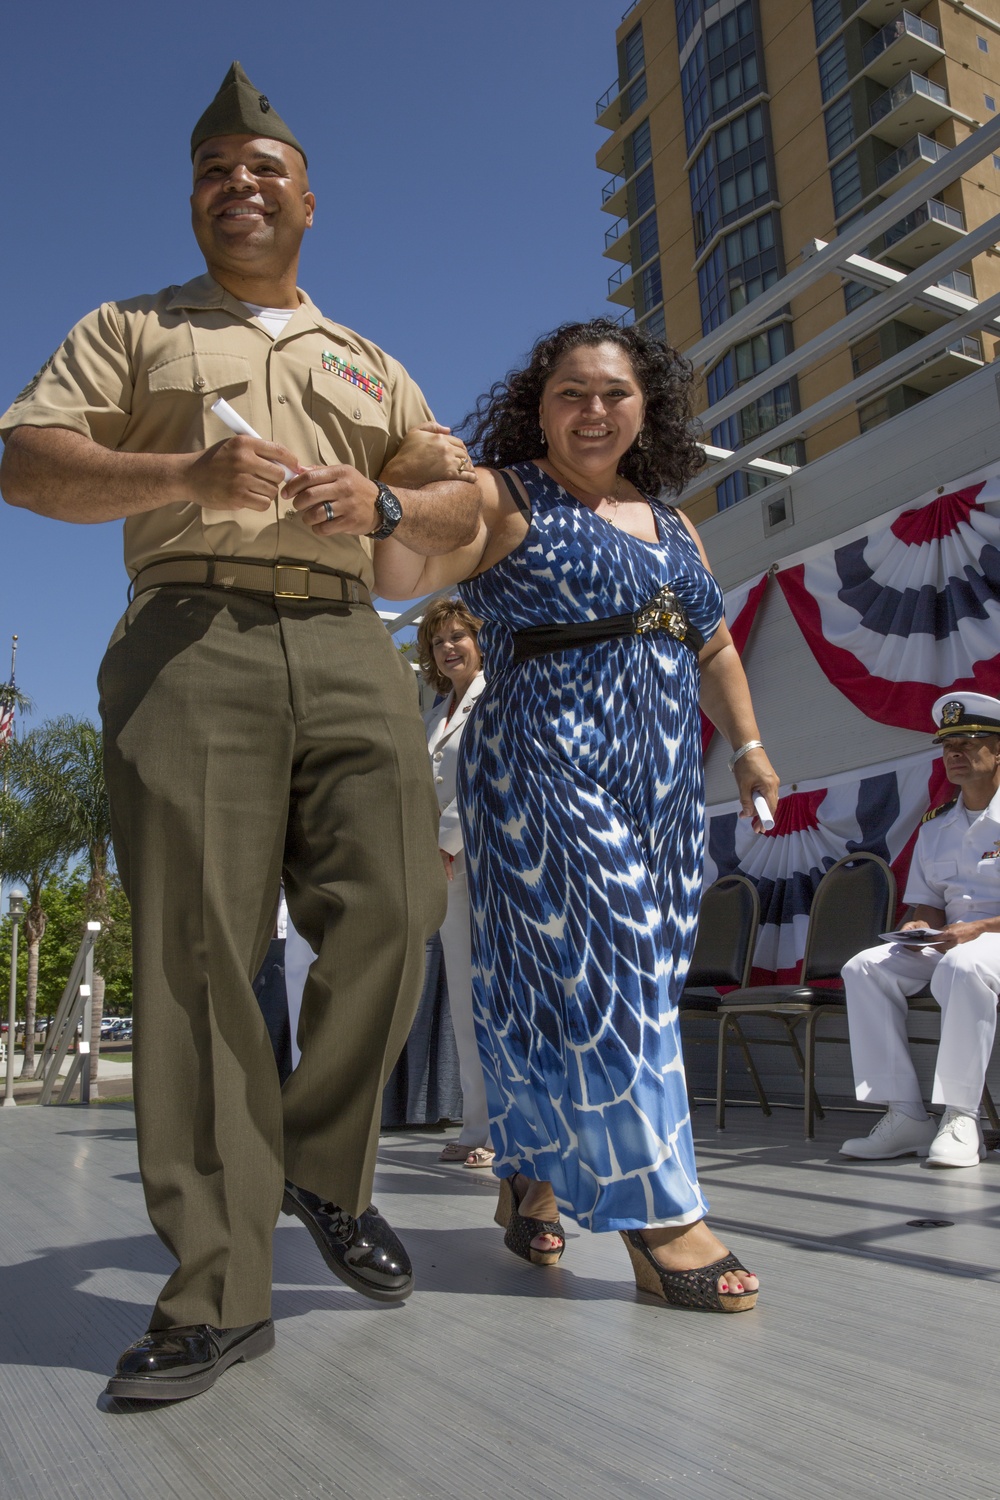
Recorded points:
918,937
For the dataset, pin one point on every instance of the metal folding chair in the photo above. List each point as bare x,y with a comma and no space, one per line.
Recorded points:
853,903
723,954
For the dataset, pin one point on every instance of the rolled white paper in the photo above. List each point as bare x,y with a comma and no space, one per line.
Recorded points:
238,424
763,812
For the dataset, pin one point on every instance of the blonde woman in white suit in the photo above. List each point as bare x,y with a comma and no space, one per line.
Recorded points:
447,643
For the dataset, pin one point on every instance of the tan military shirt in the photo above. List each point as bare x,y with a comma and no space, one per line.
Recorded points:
141,376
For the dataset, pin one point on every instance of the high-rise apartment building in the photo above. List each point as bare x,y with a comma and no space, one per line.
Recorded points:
746,131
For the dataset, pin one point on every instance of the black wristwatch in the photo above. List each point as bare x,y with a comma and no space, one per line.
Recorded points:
389,512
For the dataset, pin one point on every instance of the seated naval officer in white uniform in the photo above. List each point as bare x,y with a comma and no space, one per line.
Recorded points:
954,886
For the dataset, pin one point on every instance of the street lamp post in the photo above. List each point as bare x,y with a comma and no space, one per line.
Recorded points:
16,907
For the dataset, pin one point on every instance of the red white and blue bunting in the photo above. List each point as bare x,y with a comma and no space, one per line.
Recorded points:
877,808
906,607
896,613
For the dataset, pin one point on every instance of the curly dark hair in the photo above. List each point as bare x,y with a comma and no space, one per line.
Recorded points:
503,428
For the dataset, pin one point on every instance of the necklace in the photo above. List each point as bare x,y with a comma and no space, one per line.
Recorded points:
615,498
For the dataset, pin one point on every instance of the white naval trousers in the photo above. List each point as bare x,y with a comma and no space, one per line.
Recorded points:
456,941
964,982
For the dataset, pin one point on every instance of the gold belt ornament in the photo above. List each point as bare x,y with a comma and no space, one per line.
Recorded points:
663,612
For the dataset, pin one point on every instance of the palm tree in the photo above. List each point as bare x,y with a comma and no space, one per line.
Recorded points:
73,750
36,844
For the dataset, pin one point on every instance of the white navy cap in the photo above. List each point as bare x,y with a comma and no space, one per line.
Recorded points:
967,714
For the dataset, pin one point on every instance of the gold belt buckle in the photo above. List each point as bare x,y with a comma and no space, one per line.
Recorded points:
284,584
662,613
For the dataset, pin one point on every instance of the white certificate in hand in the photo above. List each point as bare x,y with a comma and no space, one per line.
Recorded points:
241,426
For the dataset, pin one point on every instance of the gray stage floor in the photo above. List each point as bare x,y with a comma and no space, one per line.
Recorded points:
868,1369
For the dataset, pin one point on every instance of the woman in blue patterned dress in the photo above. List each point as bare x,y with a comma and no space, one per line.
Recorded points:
583,796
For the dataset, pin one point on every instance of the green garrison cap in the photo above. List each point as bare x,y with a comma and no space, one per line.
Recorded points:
240,109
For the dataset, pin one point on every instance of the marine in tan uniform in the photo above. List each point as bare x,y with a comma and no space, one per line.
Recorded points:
258,721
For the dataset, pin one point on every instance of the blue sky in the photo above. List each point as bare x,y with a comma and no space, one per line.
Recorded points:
451,147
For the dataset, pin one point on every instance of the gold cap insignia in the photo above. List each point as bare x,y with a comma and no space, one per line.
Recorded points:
952,712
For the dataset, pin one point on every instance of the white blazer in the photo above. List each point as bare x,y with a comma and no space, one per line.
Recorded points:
443,740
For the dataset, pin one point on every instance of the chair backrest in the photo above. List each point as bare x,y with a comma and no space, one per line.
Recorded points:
727,933
853,903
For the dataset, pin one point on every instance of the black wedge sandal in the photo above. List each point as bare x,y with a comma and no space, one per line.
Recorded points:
520,1231
696,1289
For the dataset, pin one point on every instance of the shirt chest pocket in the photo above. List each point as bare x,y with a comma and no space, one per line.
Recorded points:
352,427
192,382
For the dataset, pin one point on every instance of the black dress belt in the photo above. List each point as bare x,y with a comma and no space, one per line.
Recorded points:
664,612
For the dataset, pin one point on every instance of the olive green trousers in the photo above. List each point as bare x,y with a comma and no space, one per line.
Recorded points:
246,739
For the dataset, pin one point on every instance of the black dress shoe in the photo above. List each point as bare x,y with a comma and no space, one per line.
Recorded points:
168,1364
365,1252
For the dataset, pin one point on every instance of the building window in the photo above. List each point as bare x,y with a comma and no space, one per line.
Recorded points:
867,354
873,414
688,16
834,73
649,242
839,121
982,44
855,292
639,146
758,354
655,325
694,93
635,95
651,286
827,17
704,195
733,69
989,101
751,260
736,487
633,53
996,163
766,412
712,291
731,175
645,194
845,179
721,379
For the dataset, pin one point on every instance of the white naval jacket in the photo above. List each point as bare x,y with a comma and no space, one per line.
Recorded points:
957,868
443,741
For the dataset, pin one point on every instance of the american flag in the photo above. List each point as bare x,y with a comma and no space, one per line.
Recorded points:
6,722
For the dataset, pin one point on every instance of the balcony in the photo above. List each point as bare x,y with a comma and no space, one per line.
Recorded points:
912,106
613,195
909,160
617,103
958,360
923,233
878,12
621,286
618,241
907,44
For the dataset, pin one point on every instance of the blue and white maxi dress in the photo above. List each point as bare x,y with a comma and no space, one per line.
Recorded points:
583,804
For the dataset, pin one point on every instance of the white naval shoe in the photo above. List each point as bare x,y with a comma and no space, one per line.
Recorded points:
958,1143
895,1134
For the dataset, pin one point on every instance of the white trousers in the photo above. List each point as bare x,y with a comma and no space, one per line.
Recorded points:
456,940
964,982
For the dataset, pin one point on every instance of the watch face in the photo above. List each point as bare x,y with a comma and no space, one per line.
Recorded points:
388,505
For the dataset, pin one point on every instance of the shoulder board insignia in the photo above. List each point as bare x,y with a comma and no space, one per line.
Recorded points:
935,812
